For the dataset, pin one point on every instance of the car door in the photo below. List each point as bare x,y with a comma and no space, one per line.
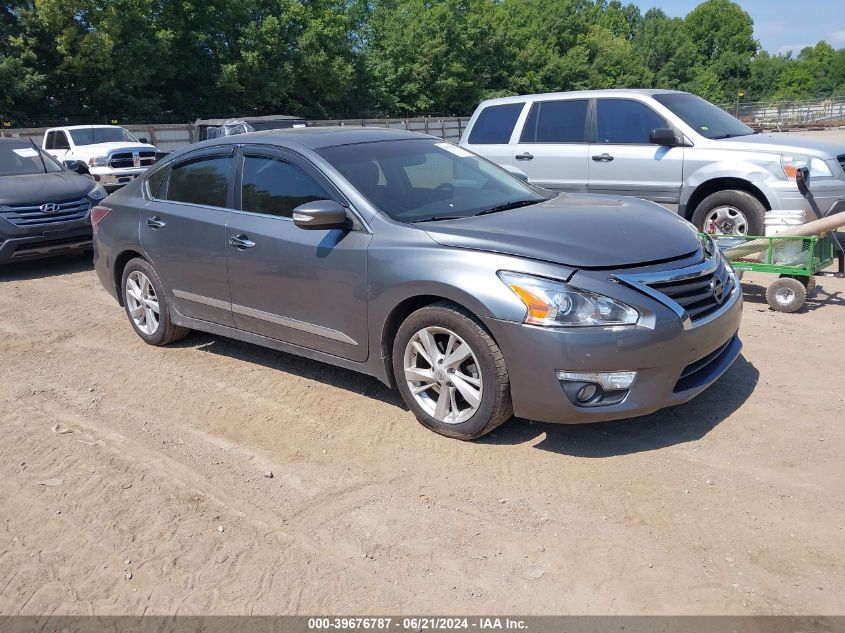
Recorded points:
622,159
552,147
183,231
304,287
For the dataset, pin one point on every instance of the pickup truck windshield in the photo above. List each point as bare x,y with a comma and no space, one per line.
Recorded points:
708,120
93,135
417,180
21,160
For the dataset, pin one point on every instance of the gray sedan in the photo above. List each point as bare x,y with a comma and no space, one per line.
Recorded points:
415,261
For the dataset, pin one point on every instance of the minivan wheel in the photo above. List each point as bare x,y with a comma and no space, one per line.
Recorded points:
146,305
730,212
451,372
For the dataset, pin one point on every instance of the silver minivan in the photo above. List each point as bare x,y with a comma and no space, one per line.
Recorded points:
671,147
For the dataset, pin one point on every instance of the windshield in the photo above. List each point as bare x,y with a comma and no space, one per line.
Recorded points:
20,160
423,179
702,116
92,135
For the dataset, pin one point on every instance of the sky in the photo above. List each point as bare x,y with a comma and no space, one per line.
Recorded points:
780,26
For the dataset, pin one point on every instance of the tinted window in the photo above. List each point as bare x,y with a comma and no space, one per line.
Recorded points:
51,139
625,122
203,181
702,116
495,124
556,122
155,180
275,187
60,141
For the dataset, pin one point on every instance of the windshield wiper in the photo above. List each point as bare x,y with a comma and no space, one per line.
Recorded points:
38,151
437,218
509,205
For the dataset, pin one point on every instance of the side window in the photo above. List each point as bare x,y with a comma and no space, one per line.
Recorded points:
625,122
556,122
495,124
60,141
201,181
275,187
155,180
50,143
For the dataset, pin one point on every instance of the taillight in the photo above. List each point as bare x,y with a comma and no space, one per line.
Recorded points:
97,215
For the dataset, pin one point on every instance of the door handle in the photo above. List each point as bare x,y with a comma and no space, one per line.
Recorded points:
155,222
525,156
241,242
603,158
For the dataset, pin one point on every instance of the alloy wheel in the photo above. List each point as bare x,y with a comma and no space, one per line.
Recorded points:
443,375
142,302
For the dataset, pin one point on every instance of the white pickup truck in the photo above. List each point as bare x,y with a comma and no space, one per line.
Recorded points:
112,155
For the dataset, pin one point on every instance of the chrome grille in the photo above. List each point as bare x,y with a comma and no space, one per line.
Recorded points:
696,295
35,214
125,159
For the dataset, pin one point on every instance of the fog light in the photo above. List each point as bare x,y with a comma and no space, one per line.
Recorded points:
587,392
610,380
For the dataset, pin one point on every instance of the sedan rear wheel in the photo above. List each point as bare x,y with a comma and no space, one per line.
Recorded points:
146,304
451,372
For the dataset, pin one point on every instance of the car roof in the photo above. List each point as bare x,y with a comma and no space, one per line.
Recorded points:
316,137
584,94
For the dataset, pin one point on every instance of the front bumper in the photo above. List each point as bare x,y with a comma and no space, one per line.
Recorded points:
37,244
113,178
825,191
674,364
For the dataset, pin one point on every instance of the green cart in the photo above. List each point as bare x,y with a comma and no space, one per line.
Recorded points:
795,259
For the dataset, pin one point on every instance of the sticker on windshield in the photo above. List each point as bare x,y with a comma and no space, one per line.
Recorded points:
457,151
25,152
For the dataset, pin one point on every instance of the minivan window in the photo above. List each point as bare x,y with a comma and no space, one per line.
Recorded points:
276,187
495,124
705,118
202,181
625,122
556,122
415,180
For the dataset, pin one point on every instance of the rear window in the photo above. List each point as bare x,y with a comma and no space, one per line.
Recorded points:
556,122
494,124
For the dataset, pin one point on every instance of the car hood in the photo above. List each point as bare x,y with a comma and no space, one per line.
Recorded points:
787,143
101,149
41,188
579,230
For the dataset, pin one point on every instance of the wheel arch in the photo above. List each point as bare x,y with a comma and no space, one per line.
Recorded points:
401,311
724,183
119,265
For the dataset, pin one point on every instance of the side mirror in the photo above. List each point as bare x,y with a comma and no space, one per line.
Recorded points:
143,139
320,214
663,136
78,166
802,179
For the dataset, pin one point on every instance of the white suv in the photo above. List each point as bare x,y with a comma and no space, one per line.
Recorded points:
670,147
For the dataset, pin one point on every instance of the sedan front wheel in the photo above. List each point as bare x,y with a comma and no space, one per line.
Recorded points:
451,372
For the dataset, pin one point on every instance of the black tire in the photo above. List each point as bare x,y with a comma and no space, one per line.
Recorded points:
495,405
809,282
786,295
750,207
166,332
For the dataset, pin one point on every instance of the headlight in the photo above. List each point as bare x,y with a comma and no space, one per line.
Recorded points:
99,161
791,165
97,193
557,304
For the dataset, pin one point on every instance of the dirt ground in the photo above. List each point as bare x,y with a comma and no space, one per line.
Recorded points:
134,480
